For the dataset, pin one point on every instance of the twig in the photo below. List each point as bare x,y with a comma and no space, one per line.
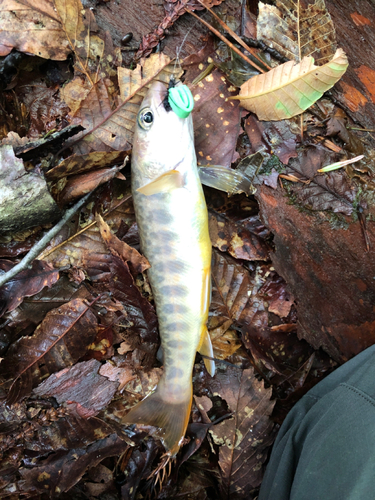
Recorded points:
235,36
40,246
51,250
225,40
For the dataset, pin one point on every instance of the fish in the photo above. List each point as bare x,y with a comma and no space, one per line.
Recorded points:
172,219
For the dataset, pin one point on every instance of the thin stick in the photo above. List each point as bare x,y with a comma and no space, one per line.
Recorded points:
40,246
51,250
222,37
235,36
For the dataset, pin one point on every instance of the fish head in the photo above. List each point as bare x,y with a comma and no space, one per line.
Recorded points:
162,140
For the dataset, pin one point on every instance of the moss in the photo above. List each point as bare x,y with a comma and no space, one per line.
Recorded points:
272,163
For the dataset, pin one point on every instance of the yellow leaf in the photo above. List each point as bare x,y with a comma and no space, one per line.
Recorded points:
290,89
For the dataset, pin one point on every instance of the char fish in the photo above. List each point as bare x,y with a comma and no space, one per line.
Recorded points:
172,219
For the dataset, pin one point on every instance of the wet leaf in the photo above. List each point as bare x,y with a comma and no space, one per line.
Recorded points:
110,129
78,164
296,31
138,262
85,391
140,313
80,185
61,471
235,238
232,287
331,191
34,28
216,121
278,138
59,341
27,283
290,89
336,126
244,439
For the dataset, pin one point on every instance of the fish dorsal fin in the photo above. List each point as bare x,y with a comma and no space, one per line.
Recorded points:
173,179
226,179
206,350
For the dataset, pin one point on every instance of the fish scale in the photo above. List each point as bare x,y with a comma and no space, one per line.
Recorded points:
173,226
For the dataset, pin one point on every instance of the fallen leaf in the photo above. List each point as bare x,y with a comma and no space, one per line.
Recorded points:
79,164
27,283
278,138
59,341
81,387
296,31
110,129
120,375
80,185
336,125
138,262
216,122
331,191
290,89
244,439
235,238
35,29
59,472
232,288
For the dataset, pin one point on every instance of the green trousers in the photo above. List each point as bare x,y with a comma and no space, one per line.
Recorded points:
325,449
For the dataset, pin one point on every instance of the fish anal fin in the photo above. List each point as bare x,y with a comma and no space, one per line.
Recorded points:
205,348
171,419
173,179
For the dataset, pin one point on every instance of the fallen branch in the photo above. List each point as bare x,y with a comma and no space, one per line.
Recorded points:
41,245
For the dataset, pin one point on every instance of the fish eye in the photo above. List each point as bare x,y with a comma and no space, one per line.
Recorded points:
145,118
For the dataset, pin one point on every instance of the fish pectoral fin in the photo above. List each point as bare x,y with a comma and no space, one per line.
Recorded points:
226,179
173,179
171,419
205,349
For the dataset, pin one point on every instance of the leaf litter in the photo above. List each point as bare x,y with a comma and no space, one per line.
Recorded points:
79,334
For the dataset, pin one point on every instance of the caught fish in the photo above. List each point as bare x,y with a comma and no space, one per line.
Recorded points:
172,219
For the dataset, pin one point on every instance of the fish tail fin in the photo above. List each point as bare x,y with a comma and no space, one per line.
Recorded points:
171,419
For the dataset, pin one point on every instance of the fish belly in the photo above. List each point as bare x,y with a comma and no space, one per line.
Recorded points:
174,238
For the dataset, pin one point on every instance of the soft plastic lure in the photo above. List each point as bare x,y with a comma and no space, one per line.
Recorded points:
172,219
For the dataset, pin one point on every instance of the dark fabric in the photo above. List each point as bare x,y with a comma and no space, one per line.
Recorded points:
325,449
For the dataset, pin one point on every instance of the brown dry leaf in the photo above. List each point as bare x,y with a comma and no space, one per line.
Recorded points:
217,122
80,185
290,89
244,439
331,191
235,238
60,471
32,27
295,31
232,290
78,164
138,262
87,250
59,341
110,129
27,283
226,345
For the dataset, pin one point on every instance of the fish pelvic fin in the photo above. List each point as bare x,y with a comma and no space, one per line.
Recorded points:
165,183
205,348
171,419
